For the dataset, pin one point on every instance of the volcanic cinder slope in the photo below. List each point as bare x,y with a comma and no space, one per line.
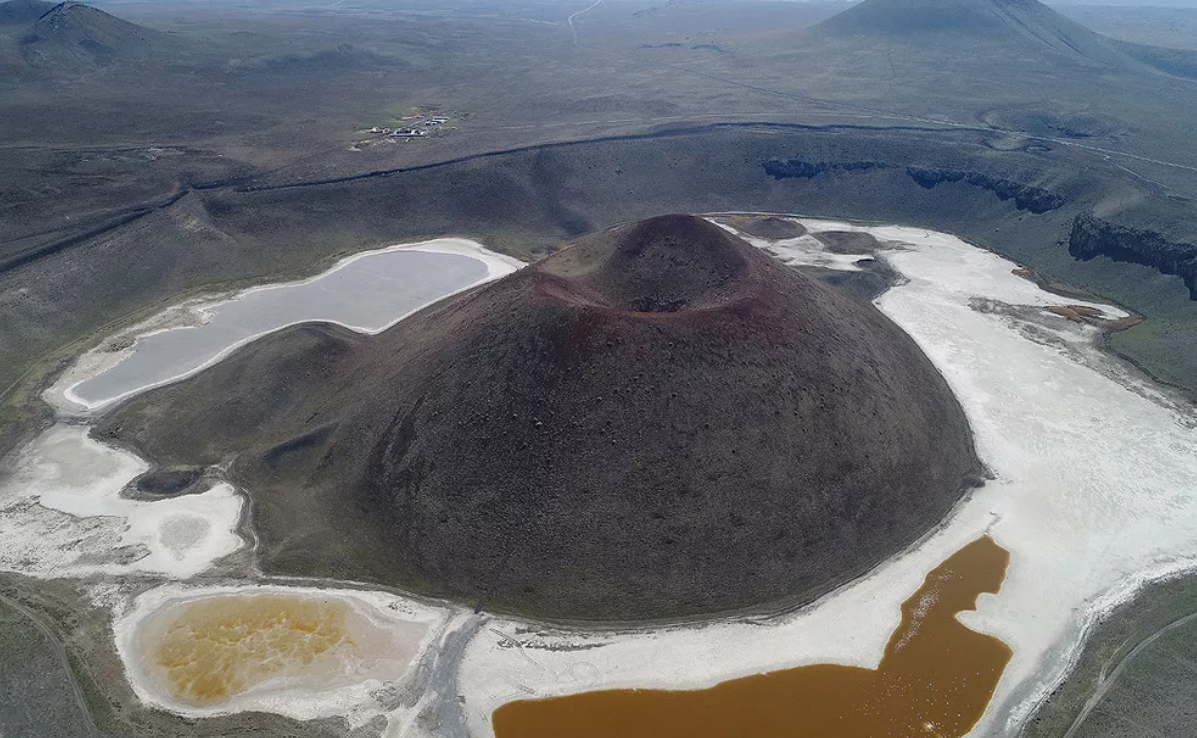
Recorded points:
659,421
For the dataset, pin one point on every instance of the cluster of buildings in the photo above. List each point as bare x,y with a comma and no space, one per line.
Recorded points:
415,130
398,132
427,120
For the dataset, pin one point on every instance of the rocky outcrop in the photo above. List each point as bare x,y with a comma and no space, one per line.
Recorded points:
1092,237
1026,197
799,169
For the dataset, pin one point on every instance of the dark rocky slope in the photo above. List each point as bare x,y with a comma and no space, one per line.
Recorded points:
660,421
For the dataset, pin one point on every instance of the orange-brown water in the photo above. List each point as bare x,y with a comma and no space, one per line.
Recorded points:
934,681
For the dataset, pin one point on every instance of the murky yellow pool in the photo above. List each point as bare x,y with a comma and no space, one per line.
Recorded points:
206,651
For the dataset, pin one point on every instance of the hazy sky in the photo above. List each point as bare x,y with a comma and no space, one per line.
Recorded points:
572,3
1131,3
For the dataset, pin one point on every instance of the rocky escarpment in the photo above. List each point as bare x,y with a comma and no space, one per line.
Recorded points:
799,169
1092,237
1026,197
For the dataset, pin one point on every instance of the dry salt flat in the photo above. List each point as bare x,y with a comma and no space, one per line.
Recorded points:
1094,493
62,515
804,250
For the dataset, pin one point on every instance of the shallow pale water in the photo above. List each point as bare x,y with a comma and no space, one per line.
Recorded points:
935,679
366,293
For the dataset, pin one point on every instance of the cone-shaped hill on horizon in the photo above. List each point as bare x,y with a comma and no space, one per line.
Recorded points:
1013,24
659,421
76,36
897,17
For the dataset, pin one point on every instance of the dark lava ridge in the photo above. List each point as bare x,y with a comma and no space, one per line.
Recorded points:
658,422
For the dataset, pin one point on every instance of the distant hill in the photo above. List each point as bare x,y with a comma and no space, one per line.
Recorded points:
75,36
23,12
1176,62
1025,23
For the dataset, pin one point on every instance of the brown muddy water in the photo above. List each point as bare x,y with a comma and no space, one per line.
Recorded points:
934,681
